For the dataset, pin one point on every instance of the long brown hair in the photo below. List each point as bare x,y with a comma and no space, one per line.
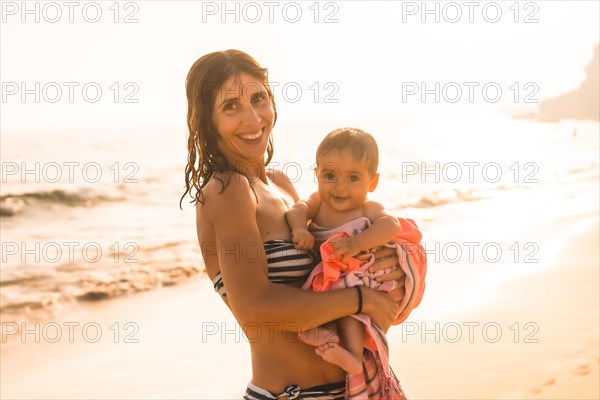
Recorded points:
204,80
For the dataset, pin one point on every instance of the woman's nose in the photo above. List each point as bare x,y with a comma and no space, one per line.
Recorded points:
251,117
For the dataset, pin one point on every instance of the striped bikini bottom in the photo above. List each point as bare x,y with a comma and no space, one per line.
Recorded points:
330,391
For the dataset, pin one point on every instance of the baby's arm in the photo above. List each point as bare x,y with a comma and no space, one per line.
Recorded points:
384,228
297,218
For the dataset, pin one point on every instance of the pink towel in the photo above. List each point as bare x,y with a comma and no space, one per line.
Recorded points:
377,380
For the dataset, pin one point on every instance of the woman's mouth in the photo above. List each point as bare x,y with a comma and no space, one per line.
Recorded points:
252,137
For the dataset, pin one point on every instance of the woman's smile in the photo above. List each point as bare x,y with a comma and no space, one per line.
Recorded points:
244,116
252,137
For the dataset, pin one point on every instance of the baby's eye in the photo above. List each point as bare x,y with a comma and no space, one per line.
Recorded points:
329,176
354,178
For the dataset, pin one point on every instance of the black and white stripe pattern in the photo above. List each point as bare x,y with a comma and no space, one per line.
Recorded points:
218,284
330,391
286,264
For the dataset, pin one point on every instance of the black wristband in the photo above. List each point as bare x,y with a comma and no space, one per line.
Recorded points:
359,299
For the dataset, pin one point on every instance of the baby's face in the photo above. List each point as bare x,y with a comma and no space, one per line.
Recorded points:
343,181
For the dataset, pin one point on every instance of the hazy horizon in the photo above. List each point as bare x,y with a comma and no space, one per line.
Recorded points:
365,61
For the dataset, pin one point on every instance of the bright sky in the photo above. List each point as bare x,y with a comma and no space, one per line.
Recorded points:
368,57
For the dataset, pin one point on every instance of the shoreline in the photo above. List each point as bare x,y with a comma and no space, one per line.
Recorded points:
176,337
116,344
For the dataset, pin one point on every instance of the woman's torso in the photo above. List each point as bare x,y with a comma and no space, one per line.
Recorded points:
279,359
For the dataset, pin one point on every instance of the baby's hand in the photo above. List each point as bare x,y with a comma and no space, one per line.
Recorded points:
345,246
302,239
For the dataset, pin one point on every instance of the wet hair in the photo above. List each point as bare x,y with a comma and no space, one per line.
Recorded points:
203,82
359,143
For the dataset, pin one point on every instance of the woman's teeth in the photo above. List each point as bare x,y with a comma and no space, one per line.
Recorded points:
252,136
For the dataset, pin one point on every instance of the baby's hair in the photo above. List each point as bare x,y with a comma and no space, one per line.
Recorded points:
361,145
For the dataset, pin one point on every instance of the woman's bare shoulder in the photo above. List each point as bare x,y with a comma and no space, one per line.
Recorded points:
221,182
226,189
282,180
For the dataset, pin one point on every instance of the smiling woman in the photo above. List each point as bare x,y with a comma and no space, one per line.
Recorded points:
217,95
245,115
241,205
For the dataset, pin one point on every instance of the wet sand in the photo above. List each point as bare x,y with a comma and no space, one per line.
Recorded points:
536,337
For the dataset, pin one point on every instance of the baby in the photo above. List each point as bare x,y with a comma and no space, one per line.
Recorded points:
346,171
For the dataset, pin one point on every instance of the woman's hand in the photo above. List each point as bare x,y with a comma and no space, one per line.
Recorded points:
386,257
380,306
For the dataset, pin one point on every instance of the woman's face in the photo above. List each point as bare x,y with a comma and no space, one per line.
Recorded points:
243,115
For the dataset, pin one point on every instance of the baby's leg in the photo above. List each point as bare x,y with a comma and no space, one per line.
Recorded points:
352,334
326,333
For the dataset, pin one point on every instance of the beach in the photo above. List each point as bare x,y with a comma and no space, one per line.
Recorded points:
487,126
537,340
535,337
510,309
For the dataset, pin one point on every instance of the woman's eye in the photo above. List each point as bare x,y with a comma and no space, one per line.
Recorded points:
258,97
230,106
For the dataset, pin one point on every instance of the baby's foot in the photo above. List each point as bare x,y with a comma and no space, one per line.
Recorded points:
319,336
336,354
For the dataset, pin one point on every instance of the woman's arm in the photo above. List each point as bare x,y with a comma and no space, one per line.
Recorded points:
243,265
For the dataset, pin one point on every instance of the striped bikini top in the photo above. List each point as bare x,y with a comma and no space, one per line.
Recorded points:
286,264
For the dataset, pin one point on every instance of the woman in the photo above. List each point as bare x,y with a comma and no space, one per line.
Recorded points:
244,237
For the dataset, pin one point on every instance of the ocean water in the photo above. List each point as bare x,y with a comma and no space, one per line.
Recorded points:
89,215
